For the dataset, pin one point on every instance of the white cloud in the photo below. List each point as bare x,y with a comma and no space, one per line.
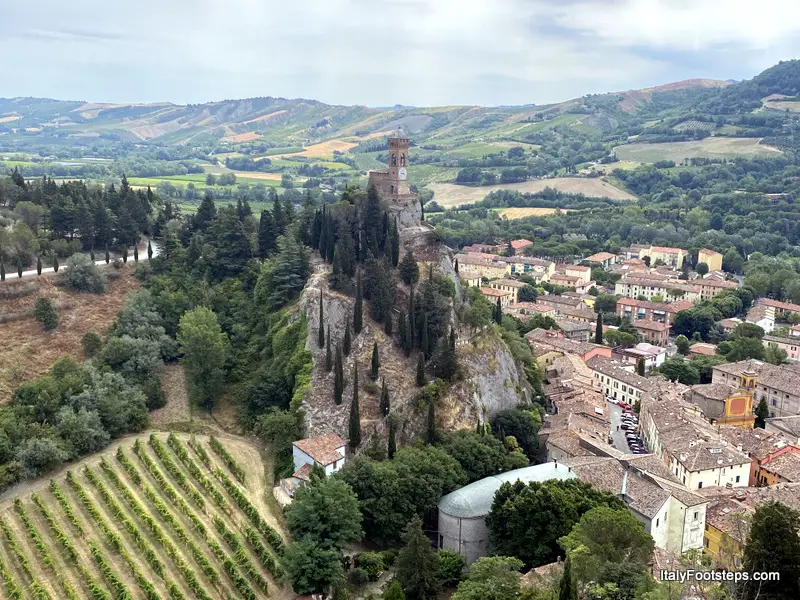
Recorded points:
382,51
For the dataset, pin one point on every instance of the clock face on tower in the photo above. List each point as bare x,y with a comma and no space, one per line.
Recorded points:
401,174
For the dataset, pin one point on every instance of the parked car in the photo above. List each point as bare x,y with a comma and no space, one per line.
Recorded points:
624,406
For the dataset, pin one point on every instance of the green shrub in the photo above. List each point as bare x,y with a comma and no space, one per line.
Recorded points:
46,314
91,343
451,567
372,563
82,275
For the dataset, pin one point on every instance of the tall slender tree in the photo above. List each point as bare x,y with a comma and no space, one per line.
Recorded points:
402,332
498,312
108,255
354,425
388,323
55,262
267,234
394,243
425,339
124,254
135,253
376,362
421,369
347,339
358,310
412,335
598,329
328,355
321,328
38,265
2,271
568,589
640,366
392,444
19,268
338,377
149,250
417,564
384,404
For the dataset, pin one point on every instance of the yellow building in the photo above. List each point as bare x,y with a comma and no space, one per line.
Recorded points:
470,265
725,404
493,295
511,286
672,257
470,280
711,258
727,524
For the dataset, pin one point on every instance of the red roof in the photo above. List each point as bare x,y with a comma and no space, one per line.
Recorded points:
601,257
650,325
517,244
322,449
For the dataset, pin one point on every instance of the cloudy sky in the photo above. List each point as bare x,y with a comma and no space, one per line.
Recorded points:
382,52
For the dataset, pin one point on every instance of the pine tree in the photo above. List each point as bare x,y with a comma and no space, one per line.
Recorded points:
392,445
328,356
2,271
38,265
108,256
267,234
338,377
55,262
376,362
425,340
430,429
394,243
321,327
358,314
409,269
135,253
567,590
354,425
347,339
421,369
149,251
598,329
417,563
384,403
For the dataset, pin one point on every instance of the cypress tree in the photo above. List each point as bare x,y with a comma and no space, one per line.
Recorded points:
91,254
357,308
761,412
354,426
323,235
338,377
316,229
394,243
125,255
392,445
55,262
402,332
640,367
19,268
38,265
149,250
135,254
430,433
498,312
567,589
388,324
376,362
412,336
425,341
598,329
108,256
384,233
277,214
328,356
347,340
384,405
453,339
331,240
421,369
321,328
2,271
455,266
417,564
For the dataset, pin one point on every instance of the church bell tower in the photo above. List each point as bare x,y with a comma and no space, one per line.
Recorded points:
398,163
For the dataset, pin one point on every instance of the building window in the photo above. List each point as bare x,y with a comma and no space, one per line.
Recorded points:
394,160
656,522
391,189
402,160
336,462
774,402
699,486
697,514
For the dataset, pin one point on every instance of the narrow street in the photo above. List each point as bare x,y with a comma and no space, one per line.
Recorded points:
620,443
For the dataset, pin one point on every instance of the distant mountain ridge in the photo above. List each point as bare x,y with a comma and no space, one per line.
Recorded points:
298,122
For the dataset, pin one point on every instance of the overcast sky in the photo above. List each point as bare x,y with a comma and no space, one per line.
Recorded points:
382,52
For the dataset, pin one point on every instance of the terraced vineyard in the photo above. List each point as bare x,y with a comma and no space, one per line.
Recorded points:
157,517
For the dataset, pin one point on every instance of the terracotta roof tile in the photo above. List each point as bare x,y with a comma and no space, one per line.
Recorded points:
322,449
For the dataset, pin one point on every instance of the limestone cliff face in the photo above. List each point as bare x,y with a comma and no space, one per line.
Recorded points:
491,379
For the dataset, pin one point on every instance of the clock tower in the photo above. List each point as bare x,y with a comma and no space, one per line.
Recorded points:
392,182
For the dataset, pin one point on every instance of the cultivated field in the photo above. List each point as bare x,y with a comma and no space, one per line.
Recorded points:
522,212
26,351
155,517
243,137
775,102
322,150
713,147
449,195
